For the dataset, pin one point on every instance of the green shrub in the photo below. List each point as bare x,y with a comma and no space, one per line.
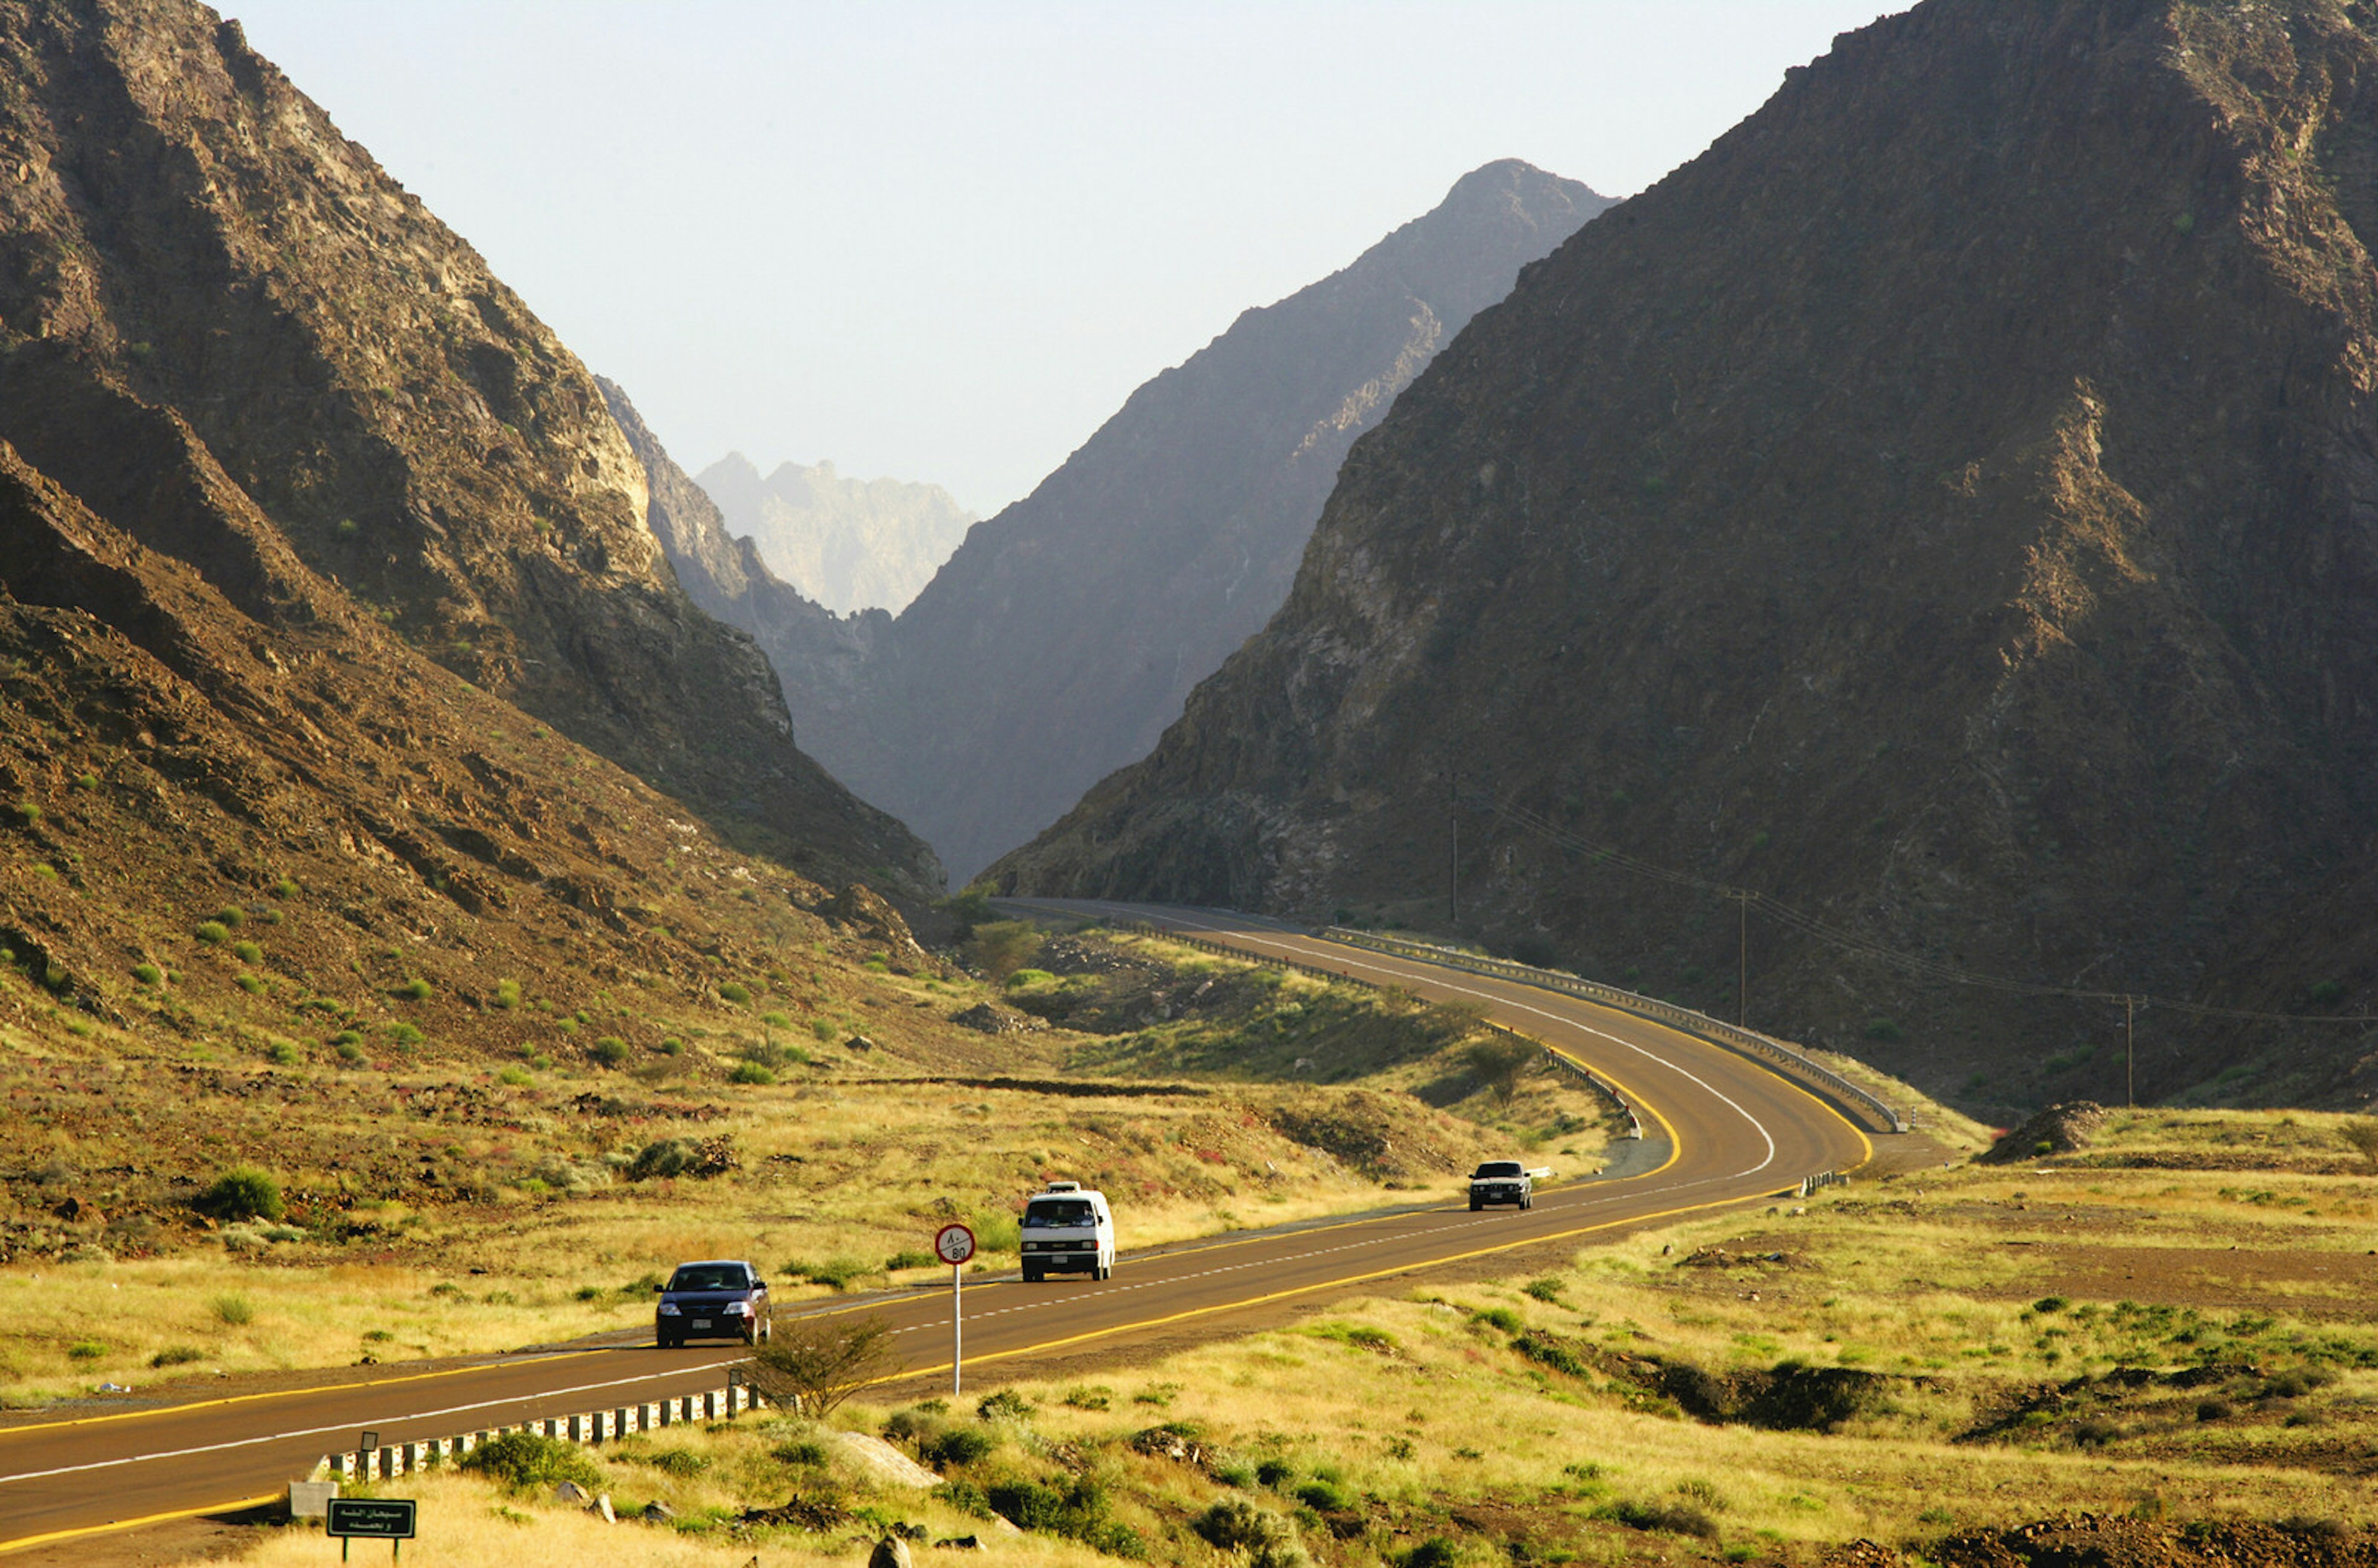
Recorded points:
610,1050
45,871
146,974
824,1029
348,1048
86,1350
750,1072
1324,1496
1882,1029
1498,1317
177,1356
508,993
806,1452
231,914
516,1076
736,992
672,1045
286,886
251,985
86,780
525,1461
233,1308
214,931
835,1273
284,1054
1434,1552
911,1259
1677,1518
1023,977
244,1191
665,1157
403,1034
416,989
29,814
1547,1290
248,953
1005,1405
682,1463
776,1020
961,1445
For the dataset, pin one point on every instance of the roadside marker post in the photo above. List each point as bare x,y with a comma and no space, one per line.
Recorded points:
954,1244
376,1519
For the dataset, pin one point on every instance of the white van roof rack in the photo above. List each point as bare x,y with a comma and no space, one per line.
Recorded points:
1062,1187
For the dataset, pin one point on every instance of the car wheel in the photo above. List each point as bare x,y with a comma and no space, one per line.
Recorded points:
669,1344
1474,1205
1032,1276
768,1330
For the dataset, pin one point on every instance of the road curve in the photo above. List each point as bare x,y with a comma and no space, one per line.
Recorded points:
1719,1130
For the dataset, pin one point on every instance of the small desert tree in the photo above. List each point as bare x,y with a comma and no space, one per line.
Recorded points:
814,1364
2361,1135
1500,1063
1003,947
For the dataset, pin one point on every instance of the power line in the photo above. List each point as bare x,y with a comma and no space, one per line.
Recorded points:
1850,942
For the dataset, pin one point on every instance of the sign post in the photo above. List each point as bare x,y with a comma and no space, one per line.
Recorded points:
953,1245
376,1519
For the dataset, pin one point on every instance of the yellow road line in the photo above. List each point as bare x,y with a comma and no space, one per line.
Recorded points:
1048,1346
81,1530
7,1432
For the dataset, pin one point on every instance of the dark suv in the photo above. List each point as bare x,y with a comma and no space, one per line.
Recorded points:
718,1299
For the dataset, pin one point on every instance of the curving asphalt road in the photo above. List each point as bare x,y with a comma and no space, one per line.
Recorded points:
1719,1130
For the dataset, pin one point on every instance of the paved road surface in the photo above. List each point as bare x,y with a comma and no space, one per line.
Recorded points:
1719,1130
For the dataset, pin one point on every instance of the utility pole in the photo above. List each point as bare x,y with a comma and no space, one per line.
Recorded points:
1742,977
2130,1050
1453,837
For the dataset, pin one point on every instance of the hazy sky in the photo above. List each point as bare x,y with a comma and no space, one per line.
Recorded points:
944,242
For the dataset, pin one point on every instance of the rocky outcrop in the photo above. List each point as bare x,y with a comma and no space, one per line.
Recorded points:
1061,638
851,544
1948,508
189,245
725,576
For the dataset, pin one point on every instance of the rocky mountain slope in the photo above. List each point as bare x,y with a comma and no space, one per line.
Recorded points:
1061,638
849,544
1945,507
193,260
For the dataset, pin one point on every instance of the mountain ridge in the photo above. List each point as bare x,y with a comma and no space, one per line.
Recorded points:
184,231
1948,531
1059,638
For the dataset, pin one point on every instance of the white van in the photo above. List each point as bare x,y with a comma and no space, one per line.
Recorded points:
1067,1229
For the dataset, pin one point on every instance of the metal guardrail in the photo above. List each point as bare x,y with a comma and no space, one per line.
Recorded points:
1699,1024
389,1460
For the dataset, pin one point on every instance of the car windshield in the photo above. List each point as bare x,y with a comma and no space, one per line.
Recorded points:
1499,1167
711,1277
1057,1211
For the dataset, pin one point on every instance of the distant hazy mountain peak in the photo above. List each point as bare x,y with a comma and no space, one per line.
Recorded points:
851,544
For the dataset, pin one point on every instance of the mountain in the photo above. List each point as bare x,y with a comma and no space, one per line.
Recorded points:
1944,508
1061,638
847,544
189,245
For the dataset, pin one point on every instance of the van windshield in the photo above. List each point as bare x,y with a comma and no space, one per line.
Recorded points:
1057,1211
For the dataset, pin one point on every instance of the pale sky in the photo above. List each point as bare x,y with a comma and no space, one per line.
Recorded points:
943,242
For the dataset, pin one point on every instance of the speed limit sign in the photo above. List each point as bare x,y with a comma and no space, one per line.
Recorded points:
954,1244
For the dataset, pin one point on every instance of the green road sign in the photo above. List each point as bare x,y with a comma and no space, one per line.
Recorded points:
380,1518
